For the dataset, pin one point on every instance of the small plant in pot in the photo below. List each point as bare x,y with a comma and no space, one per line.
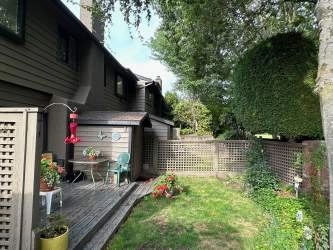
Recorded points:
54,236
166,185
91,153
49,174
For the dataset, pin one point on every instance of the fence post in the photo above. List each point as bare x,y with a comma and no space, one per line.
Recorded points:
155,155
216,157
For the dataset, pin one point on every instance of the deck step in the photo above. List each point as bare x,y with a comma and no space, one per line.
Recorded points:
111,226
79,236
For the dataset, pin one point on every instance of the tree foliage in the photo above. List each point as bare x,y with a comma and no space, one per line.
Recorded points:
273,87
192,116
201,40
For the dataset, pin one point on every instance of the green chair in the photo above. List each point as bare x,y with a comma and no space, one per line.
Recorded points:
121,165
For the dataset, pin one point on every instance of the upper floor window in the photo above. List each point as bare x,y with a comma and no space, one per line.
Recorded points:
120,90
150,97
67,49
12,18
109,77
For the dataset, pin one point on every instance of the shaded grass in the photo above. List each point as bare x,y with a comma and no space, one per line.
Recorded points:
208,215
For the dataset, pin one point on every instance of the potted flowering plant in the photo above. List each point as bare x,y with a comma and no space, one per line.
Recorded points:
49,174
54,236
91,153
166,185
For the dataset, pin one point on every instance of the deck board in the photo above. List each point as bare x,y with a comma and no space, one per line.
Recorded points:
87,208
111,226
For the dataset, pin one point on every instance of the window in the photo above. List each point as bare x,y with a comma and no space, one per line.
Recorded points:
12,19
150,97
109,78
120,86
67,49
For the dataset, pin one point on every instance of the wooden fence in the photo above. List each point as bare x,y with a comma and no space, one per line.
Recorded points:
194,157
207,158
19,176
280,157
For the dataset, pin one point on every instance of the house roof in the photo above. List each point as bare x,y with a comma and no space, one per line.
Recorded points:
114,118
160,119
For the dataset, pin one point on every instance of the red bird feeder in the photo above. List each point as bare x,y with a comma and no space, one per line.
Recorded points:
72,127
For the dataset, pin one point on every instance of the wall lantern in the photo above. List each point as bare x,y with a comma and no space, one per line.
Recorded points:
72,139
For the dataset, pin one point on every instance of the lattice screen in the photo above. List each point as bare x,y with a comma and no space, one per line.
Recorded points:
7,154
280,157
232,155
185,156
148,151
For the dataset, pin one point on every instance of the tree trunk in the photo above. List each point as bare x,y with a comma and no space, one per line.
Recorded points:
324,11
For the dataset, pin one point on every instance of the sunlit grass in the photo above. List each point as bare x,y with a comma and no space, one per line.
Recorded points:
208,215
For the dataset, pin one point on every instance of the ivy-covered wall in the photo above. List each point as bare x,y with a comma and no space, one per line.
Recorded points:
273,88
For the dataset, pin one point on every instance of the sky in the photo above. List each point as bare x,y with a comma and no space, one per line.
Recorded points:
132,52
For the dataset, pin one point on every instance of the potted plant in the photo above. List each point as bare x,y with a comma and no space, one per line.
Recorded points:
49,175
166,185
54,236
91,153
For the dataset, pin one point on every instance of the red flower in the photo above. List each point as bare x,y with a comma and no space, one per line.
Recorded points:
61,169
162,188
170,178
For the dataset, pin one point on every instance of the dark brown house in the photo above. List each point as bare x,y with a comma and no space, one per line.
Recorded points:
47,55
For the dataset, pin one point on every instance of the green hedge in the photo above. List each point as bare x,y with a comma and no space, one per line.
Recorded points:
272,87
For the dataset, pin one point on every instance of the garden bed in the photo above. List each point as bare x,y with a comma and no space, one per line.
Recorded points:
213,214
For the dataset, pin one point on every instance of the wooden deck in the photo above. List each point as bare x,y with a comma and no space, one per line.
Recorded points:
91,211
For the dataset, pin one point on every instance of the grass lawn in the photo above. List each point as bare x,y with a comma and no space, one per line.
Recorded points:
209,214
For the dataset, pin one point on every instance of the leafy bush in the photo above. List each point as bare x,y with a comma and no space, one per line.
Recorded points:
272,88
50,172
166,185
258,175
285,231
322,237
186,131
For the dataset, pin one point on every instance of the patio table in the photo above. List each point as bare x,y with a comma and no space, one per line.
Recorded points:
89,163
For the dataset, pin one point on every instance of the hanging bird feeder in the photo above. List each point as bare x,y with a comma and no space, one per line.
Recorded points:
72,139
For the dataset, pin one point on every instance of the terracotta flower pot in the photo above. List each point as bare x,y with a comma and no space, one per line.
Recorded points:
92,157
44,187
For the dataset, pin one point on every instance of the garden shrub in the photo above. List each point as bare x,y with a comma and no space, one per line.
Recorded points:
286,232
166,185
258,174
272,88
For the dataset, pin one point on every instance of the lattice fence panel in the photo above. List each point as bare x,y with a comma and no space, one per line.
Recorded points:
7,156
232,155
185,156
148,151
280,157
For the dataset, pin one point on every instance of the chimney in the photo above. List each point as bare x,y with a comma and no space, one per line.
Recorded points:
159,80
92,19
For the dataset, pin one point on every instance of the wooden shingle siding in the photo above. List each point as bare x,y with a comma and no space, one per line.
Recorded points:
111,101
34,64
109,149
137,152
159,130
16,96
137,100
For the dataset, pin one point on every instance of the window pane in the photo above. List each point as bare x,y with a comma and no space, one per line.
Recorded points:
119,86
9,15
